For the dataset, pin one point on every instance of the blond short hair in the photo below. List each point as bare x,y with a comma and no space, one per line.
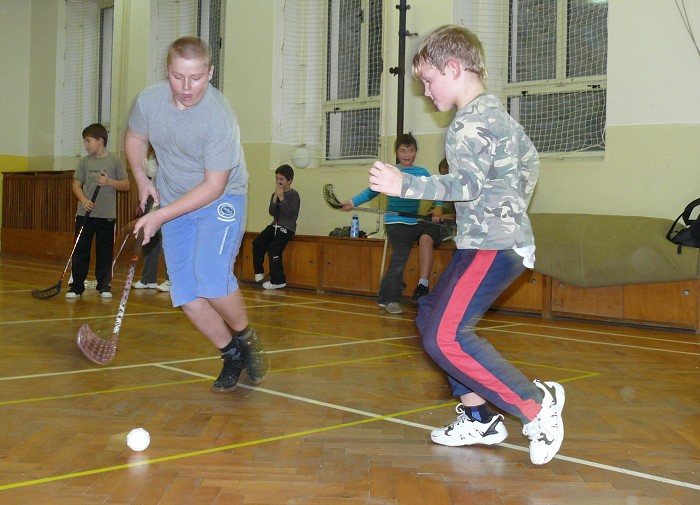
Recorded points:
450,42
190,48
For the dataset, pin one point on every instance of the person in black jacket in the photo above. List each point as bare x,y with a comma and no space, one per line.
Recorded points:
284,209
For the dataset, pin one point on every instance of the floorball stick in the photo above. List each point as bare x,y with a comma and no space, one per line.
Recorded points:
332,200
45,294
103,350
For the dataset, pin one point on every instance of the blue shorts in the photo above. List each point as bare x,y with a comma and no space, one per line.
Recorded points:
200,248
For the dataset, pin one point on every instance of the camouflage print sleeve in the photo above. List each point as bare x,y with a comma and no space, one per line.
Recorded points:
475,146
530,168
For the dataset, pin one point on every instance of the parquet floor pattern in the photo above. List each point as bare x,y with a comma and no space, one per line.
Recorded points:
343,418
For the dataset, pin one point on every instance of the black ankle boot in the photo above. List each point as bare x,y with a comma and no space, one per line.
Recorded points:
254,357
233,365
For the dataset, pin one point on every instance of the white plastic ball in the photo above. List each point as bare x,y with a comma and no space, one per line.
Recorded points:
138,439
301,158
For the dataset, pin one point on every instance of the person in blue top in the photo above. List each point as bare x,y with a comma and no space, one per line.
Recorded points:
402,231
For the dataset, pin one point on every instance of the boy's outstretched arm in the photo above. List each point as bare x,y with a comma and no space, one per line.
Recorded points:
385,178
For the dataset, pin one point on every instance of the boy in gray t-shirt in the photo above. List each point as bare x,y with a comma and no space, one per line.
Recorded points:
98,168
201,189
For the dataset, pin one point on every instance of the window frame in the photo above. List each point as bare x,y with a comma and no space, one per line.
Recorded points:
363,101
560,84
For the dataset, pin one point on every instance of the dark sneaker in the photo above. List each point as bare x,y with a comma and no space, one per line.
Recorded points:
257,364
419,291
230,372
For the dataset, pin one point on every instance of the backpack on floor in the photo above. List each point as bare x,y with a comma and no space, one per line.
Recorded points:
689,235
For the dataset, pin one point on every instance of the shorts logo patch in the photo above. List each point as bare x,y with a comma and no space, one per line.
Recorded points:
226,212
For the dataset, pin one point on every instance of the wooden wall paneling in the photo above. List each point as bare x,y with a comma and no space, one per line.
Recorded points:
39,214
525,294
301,263
51,245
243,266
376,274
596,302
546,293
411,274
346,267
441,258
671,302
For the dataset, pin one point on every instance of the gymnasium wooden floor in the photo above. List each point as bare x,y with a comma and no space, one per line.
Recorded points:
343,418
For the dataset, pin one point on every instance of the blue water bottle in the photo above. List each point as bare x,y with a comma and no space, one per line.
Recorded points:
355,226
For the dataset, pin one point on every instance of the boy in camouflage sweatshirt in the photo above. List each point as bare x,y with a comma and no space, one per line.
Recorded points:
492,175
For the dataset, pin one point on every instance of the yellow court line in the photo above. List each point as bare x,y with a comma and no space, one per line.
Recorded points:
332,335
194,360
336,363
101,392
552,367
584,375
211,450
206,378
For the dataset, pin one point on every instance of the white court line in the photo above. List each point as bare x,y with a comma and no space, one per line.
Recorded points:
509,324
609,333
284,298
491,317
162,312
165,364
404,422
612,344
383,316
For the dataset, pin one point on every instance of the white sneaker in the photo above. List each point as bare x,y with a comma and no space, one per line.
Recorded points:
90,284
72,295
466,431
259,277
546,431
164,286
393,308
142,285
106,294
269,285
